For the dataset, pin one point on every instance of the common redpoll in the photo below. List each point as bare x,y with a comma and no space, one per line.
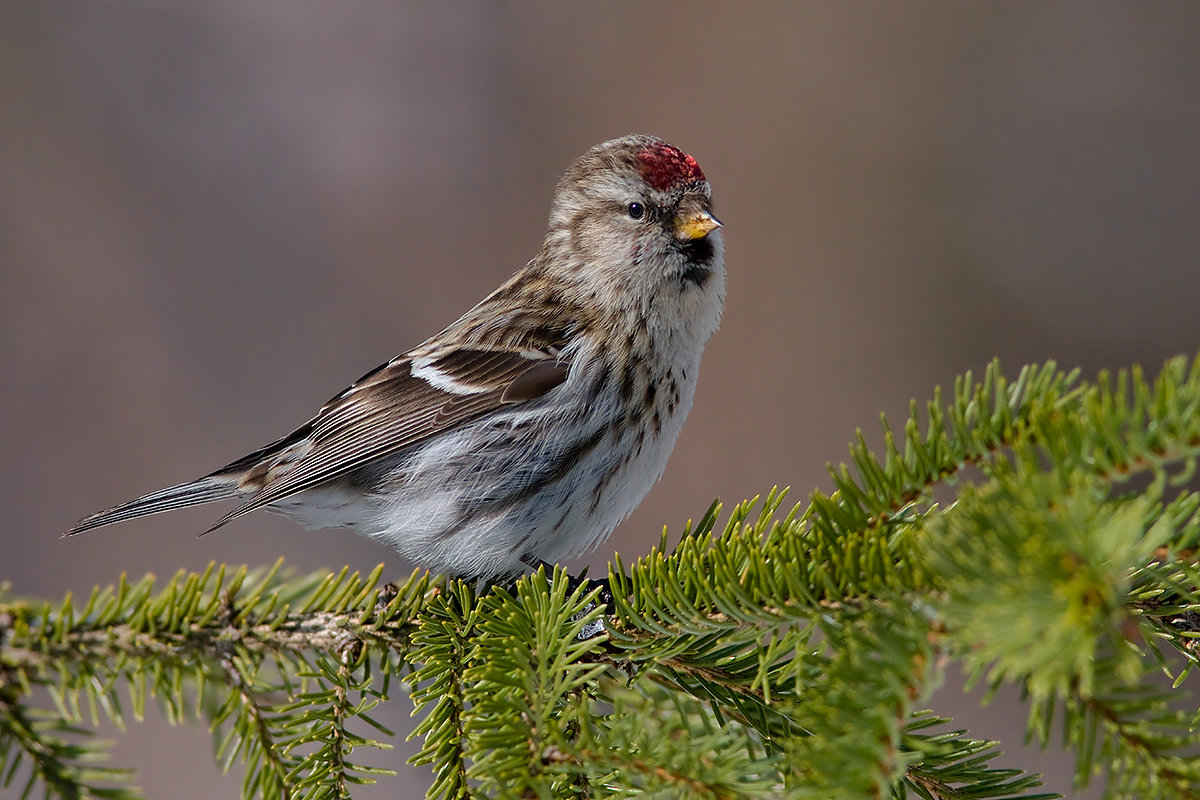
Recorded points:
528,429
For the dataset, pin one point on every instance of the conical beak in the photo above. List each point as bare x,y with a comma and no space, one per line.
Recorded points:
696,225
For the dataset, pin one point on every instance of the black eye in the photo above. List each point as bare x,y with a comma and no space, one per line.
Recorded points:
636,210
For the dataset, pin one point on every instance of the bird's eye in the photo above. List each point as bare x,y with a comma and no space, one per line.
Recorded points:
636,210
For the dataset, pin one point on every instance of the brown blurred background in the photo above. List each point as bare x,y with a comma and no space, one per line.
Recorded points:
215,215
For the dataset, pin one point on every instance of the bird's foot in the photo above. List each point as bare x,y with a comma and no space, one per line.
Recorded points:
604,599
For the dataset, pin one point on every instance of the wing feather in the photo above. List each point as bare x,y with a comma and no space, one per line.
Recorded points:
391,409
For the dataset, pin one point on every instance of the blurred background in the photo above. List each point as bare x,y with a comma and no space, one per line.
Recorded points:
215,215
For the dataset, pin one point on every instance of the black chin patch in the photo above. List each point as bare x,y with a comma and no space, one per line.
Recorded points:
698,254
698,251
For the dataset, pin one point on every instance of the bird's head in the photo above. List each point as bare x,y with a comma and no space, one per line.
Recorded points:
633,214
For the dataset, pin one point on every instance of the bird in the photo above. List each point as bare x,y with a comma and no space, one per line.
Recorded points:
528,429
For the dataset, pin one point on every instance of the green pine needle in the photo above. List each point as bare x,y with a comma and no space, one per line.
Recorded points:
772,652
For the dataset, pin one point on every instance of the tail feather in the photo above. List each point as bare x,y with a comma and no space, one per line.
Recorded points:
204,490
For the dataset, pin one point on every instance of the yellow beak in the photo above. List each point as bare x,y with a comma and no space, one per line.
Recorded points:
696,226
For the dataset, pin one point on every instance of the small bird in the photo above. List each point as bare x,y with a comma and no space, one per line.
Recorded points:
530,427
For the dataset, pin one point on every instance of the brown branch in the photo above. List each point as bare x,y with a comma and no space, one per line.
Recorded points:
301,633
556,756
1144,747
262,729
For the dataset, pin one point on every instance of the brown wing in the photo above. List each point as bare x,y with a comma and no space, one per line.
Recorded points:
390,409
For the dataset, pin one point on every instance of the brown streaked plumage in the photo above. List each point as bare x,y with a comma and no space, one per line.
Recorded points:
527,429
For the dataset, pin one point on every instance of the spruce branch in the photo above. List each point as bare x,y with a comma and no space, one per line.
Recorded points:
69,769
776,653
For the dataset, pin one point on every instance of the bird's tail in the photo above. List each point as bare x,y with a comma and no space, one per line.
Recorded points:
194,493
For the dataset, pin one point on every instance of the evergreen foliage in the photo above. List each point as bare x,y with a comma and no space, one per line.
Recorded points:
775,654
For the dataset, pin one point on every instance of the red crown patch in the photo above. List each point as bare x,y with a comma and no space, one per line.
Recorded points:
664,166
